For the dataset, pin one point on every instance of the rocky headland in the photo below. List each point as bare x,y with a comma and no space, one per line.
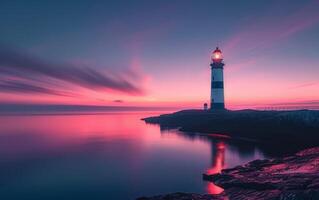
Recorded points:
275,127
287,178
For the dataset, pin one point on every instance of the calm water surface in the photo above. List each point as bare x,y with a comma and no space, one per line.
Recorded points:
108,156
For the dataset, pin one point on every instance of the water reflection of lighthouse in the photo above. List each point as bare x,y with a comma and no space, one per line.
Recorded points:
218,161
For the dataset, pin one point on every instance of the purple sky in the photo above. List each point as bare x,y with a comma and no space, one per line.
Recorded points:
157,52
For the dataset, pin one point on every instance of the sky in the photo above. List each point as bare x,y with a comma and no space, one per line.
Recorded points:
157,53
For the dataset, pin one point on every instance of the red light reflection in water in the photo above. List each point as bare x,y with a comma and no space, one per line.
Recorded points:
218,158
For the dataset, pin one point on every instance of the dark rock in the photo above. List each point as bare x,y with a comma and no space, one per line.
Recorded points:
295,177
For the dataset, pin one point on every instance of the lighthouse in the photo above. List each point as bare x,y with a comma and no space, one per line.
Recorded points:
217,81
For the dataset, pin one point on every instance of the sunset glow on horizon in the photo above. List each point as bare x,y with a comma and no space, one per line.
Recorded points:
158,53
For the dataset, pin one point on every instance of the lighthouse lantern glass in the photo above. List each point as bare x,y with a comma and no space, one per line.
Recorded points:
217,55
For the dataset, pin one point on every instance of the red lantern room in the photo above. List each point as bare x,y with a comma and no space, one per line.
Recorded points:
217,56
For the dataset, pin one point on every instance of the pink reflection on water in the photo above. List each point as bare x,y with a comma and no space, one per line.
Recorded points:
30,135
218,163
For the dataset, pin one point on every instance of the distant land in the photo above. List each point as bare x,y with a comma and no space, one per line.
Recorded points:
8,108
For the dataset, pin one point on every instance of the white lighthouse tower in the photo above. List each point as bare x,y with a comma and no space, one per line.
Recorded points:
217,81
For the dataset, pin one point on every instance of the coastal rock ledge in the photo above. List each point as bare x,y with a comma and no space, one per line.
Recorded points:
287,178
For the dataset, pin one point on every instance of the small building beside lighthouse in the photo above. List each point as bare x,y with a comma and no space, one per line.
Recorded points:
217,81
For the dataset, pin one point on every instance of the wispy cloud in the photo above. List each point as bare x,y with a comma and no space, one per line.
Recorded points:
22,67
23,87
304,85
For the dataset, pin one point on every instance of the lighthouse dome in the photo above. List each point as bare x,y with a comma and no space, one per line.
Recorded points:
217,50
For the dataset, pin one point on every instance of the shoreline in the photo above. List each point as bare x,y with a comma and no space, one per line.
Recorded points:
290,177
286,177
